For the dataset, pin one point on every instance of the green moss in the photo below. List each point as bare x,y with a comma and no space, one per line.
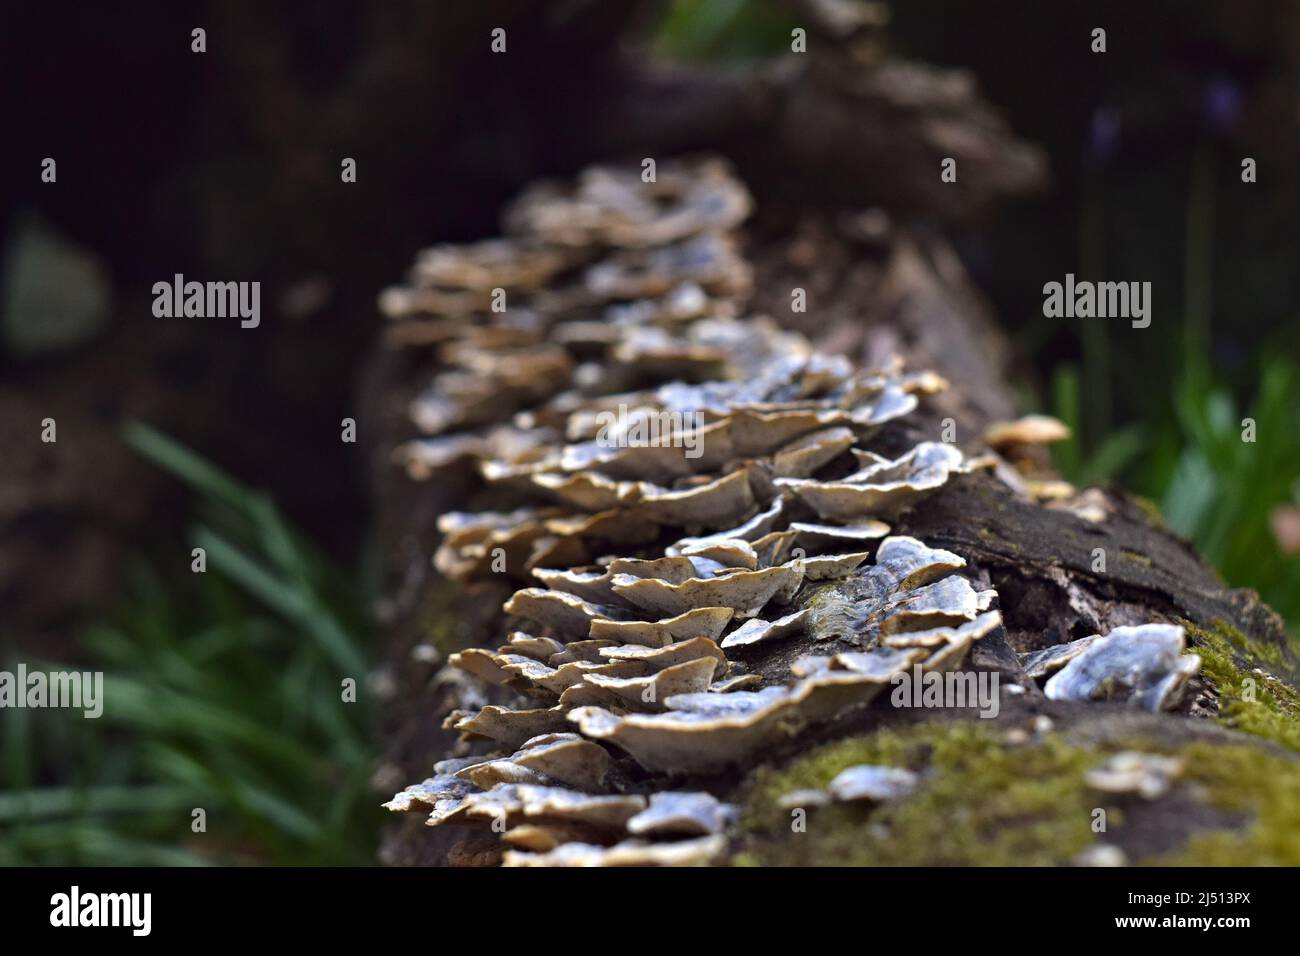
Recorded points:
1149,508
984,802
981,802
1229,660
1270,654
1135,557
1264,788
992,539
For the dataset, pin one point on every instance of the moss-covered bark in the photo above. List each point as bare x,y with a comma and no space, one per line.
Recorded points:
990,799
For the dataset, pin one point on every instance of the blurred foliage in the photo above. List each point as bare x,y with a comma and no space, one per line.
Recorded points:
1217,477
222,690
724,30
1213,487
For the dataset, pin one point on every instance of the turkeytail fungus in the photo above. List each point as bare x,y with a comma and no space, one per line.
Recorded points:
698,518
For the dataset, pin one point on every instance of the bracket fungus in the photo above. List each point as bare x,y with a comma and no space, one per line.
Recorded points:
1144,665
701,528
867,782
1133,772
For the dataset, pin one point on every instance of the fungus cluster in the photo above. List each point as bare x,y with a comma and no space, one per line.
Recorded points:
1144,665
689,489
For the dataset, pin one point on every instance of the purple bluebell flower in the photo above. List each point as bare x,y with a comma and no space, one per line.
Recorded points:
1222,104
1103,136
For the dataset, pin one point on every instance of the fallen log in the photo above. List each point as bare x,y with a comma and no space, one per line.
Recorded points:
704,676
